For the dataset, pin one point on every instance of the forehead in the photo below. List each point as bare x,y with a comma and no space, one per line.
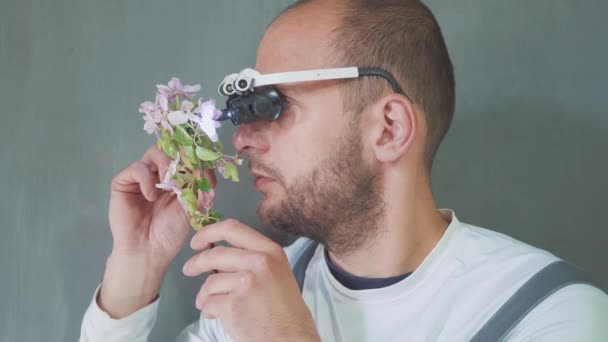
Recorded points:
298,40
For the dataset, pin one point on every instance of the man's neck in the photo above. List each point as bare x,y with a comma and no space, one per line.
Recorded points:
409,229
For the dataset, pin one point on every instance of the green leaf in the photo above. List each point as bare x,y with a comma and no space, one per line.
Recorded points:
232,172
195,187
207,222
190,198
204,184
163,142
172,149
206,154
190,155
165,137
187,163
216,215
219,145
181,136
180,181
194,223
204,141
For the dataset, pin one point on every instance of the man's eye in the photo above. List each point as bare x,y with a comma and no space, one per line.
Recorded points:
287,104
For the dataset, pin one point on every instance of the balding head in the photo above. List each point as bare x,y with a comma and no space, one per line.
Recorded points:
299,39
401,36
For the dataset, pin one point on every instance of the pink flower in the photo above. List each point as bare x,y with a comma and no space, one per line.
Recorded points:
168,182
162,102
150,126
208,199
207,109
207,117
148,108
222,170
155,114
176,88
182,116
238,160
152,120
177,117
152,116
187,106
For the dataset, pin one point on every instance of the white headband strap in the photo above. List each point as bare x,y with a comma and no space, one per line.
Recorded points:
306,76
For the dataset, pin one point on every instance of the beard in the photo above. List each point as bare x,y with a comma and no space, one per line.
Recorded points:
339,203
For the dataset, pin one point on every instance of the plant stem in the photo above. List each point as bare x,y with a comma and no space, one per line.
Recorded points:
201,166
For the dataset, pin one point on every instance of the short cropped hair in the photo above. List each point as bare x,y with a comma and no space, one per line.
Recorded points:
404,38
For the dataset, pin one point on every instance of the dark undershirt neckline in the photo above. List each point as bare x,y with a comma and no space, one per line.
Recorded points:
354,282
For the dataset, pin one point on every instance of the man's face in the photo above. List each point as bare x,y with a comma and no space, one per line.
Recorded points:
320,183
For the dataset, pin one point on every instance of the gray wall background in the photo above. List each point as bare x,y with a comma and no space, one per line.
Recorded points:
526,154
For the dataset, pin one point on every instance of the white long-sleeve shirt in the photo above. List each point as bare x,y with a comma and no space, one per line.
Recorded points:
467,276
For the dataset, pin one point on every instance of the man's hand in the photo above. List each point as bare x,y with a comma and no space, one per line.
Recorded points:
149,227
255,294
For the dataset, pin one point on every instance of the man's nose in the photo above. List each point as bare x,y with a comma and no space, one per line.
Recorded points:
251,137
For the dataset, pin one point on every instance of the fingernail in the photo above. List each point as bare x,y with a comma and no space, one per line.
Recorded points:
186,268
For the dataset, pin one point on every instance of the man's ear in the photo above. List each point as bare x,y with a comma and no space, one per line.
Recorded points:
392,128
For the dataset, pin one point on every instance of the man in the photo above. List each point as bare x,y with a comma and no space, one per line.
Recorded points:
348,165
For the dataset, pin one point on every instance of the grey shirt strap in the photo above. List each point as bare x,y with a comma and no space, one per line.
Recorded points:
300,266
544,283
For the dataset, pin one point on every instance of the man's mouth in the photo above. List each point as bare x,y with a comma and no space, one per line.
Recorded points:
261,182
